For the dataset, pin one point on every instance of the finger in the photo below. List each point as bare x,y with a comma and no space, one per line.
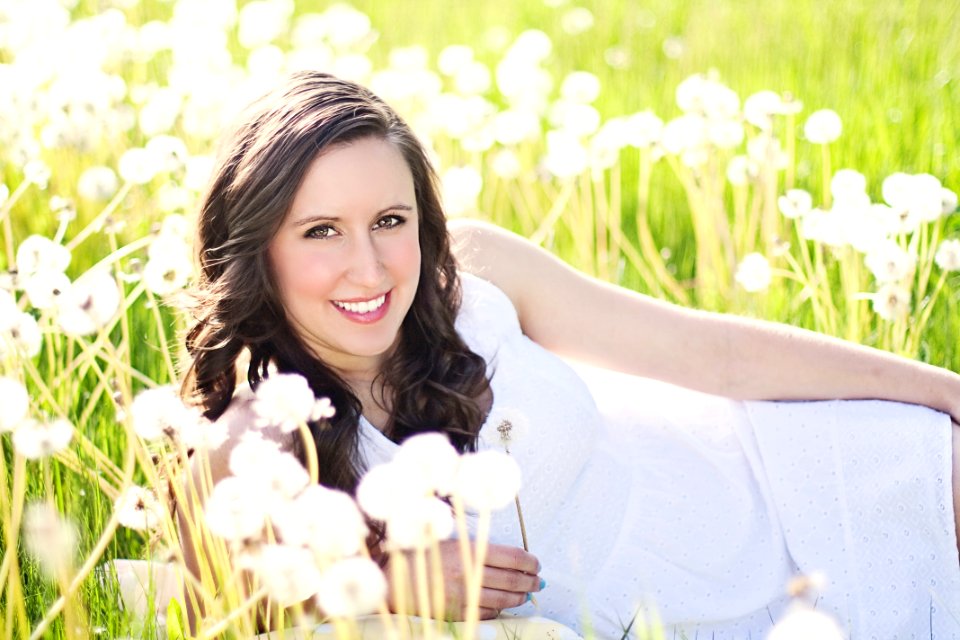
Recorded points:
510,580
507,557
497,599
487,614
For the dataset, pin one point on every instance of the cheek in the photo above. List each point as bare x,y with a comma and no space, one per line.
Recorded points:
404,258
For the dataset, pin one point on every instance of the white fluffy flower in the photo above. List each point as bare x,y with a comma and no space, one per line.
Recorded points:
823,126
795,203
9,311
948,201
847,182
160,412
351,587
581,87
14,404
45,287
35,440
948,255
386,488
98,183
167,274
49,538
759,109
325,520
89,304
237,508
23,335
891,302
432,456
461,186
138,508
288,572
753,273
139,166
643,129
890,263
487,480
285,400
566,156
741,170
803,624
420,522
511,427
39,253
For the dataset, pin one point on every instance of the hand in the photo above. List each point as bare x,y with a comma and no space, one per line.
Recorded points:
509,575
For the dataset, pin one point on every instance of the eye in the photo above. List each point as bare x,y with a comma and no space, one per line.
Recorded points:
320,232
389,221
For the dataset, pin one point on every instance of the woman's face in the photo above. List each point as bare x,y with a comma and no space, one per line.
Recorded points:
347,255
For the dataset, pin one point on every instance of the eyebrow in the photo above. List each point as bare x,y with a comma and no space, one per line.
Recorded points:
320,218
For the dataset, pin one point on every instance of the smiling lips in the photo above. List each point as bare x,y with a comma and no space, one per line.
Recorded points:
364,311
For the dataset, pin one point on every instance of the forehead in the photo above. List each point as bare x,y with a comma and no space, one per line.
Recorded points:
360,176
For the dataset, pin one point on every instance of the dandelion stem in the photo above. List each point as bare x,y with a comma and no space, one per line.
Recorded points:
310,449
95,224
7,224
237,612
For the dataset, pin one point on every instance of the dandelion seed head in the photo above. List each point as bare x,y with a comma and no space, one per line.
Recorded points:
263,21
754,273
453,58
22,335
531,45
45,287
566,156
581,87
461,187
14,404
795,203
579,120
846,182
505,164
433,457
823,126
88,304
326,521
643,129
487,480
803,623
34,439
889,262
683,133
159,412
288,572
38,173
49,538
38,253
576,20
947,256
139,166
9,311
97,183
741,170
759,109
352,587
421,521
385,488
891,302
948,201
237,509
285,400
513,126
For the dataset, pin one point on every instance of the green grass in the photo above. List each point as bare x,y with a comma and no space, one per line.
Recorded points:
890,68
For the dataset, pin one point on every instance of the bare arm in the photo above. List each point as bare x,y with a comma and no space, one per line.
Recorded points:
577,316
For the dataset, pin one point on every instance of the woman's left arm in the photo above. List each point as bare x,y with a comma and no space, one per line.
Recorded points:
577,316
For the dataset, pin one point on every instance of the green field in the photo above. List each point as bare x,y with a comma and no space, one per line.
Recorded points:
890,69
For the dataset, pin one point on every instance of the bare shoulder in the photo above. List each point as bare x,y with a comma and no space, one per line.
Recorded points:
517,266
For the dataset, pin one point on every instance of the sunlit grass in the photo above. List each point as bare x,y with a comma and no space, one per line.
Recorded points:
890,69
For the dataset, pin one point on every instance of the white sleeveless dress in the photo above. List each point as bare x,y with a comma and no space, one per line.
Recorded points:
643,496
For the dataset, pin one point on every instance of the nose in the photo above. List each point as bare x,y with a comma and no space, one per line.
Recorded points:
365,262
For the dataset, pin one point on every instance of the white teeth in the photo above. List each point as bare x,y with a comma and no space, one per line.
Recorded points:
362,307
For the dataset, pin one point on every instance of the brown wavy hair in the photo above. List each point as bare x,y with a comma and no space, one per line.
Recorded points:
434,381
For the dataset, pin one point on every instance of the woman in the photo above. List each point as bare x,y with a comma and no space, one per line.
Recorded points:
324,251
